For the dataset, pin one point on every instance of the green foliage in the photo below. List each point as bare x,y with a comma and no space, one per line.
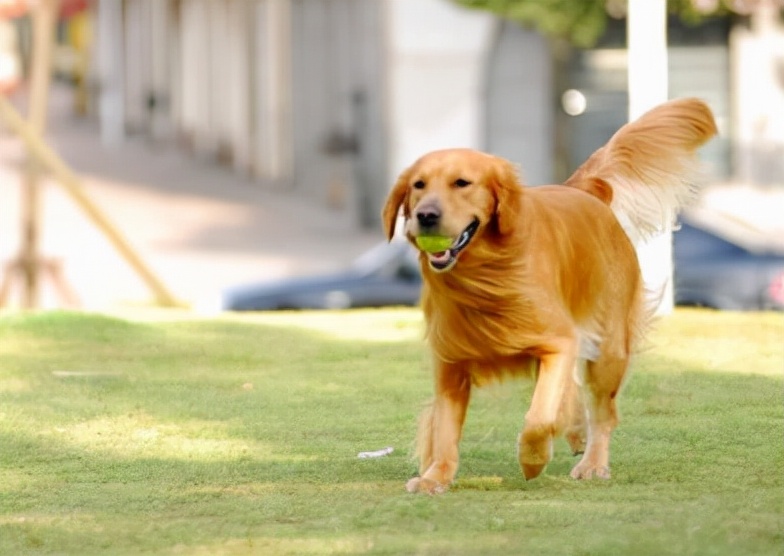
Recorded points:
582,22
239,436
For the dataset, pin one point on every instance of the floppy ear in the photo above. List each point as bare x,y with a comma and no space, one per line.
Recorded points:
397,198
507,189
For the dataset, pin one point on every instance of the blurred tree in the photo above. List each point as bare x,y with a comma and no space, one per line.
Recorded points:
582,22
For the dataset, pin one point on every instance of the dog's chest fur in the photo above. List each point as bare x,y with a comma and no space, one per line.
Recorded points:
475,320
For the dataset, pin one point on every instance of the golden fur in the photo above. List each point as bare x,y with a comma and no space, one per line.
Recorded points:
549,281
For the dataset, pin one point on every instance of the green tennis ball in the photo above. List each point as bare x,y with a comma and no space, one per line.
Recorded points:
434,244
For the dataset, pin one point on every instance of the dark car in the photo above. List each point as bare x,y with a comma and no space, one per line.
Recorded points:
388,274
713,271
710,271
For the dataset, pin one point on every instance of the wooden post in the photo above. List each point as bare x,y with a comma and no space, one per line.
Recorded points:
49,159
29,264
44,19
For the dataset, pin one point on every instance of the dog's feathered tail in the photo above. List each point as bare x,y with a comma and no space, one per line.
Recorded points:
649,170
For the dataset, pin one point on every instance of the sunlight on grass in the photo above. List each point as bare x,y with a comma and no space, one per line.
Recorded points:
140,435
9,385
483,483
239,434
129,435
690,336
272,545
395,325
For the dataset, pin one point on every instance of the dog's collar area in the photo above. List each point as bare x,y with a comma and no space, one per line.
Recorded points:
445,260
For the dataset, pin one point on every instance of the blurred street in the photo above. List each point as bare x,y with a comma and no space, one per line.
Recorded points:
201,227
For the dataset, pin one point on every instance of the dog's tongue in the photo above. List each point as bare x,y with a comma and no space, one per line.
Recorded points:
439,258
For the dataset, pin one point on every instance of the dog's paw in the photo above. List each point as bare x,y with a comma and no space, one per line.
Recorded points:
531,471
534,456
576,440
425,486
586,471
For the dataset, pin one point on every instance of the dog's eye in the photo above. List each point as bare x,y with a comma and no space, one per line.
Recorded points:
462,183
419,184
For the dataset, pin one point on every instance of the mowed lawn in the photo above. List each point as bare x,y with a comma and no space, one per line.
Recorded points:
240,435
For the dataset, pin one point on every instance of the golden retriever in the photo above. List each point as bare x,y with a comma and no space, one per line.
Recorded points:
543,279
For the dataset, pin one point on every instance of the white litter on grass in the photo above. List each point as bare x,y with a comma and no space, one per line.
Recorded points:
377,453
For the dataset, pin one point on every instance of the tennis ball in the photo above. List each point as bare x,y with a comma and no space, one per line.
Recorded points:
434,244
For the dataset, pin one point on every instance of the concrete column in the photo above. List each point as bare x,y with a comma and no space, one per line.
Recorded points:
110,58
273,145
647,46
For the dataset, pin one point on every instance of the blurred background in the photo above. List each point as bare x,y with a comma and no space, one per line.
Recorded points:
235,141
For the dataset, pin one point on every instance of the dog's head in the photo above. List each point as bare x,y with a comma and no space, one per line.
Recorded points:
460,194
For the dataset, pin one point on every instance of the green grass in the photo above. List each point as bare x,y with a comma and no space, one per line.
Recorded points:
240,435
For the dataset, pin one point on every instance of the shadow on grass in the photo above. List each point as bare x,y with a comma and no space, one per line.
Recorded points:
201,433
291,402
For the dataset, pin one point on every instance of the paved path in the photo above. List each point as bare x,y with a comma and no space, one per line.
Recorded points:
200,226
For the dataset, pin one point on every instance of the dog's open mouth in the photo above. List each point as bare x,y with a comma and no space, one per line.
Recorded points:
442,261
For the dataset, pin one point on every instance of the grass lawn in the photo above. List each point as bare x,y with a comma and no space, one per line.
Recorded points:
240,435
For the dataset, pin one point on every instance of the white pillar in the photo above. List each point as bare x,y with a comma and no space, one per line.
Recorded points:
647,44
160,67
647,48
111,66
273,149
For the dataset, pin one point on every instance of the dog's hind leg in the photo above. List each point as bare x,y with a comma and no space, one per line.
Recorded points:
602,381
535,444
572,423
440,429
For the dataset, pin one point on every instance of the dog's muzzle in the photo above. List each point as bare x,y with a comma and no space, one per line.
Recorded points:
445,260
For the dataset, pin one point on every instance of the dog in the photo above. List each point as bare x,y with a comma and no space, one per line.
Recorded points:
541,280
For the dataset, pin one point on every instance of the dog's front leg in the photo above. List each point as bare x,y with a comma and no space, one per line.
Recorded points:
440,428
541,421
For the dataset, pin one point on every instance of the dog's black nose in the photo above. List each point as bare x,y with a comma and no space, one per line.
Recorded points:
428,217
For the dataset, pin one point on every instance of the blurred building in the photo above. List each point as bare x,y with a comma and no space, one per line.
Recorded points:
330,99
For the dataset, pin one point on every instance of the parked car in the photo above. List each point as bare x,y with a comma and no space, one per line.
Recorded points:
710,271
388,274
713,271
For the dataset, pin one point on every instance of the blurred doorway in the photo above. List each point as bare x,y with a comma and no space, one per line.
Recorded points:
519,119
339,138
